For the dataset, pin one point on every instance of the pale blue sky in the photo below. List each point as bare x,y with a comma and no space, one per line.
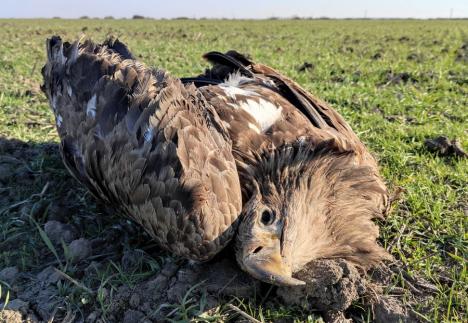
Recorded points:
233,8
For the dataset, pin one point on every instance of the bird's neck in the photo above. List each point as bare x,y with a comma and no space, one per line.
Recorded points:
331,210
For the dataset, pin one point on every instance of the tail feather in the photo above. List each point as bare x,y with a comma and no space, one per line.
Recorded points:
118,47
55,50
232,59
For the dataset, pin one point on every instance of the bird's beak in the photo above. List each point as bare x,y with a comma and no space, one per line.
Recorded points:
266,263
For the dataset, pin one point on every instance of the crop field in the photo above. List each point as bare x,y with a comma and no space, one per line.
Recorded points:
397,83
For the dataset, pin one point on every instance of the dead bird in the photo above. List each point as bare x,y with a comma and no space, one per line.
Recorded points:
239,151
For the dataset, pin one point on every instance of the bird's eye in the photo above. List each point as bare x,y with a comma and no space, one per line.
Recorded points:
268,217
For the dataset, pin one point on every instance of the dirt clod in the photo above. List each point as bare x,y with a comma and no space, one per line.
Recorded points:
399,78
57,212
93,316
57,231
131,258
414,57
462,53
134,300
330,286
445,147
133,316
156,297
305,67
401,119
15,305
79,249
9,274
390,310
11,316
48,276
336,317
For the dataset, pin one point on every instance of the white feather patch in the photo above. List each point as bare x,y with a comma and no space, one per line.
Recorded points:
69,90
254,127
60,57
302,140
232,91
264,112
235,79
148,134
91,107
74,53
59,120
54,103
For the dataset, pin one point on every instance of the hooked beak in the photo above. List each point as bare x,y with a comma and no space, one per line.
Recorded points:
267,264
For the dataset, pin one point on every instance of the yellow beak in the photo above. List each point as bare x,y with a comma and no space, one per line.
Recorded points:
267,264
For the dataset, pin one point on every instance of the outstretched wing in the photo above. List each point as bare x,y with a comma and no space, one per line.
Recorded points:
144,143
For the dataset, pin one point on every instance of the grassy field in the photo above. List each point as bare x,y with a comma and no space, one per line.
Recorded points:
396,82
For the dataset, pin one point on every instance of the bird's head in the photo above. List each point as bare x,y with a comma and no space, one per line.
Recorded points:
307,202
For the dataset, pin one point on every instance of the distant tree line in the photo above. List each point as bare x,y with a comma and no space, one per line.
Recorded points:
270,18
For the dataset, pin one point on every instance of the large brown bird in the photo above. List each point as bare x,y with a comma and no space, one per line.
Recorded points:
238,151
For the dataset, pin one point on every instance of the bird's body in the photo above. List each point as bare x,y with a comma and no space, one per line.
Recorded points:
295,153
198,162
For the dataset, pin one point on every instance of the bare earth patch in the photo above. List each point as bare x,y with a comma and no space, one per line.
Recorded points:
333,286
445,147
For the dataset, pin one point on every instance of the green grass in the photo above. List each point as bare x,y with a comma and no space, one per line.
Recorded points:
354,62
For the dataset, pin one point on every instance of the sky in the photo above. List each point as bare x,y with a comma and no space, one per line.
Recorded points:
234,8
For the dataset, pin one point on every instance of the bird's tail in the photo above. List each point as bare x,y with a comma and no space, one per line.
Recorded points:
63,56
76,76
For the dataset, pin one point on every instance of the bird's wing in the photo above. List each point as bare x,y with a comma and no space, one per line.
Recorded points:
144,143
235,85
264,79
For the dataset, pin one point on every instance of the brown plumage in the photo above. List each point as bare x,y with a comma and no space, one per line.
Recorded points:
145,144
310,187
170,155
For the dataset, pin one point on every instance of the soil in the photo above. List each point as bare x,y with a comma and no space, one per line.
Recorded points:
445,147
305,67
332,287
392,78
